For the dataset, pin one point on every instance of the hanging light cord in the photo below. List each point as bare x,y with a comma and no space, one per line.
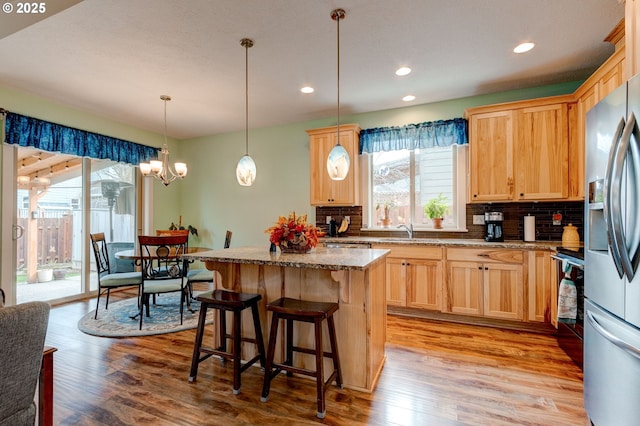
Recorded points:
339,13
246,98
165,99
247,43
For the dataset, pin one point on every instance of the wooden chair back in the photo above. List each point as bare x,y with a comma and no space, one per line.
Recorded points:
100,253
161,256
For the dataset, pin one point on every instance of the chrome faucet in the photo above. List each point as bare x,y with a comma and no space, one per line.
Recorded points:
408,228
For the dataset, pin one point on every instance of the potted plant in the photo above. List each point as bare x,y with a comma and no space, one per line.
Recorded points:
175,229
435,209
386,208
45,271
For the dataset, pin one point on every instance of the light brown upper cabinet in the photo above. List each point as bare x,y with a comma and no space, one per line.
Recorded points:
602,82
491,159
324,191
519,150
542,152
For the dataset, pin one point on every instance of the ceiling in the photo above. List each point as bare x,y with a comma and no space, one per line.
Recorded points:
114,58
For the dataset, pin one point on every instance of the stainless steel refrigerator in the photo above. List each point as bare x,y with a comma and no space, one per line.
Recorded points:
611,276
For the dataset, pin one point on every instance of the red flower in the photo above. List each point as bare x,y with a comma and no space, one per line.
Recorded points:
293,231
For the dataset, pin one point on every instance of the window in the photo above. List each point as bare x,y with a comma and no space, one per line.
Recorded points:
401,182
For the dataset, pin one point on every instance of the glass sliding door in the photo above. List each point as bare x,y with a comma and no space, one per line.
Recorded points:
51,197
113,211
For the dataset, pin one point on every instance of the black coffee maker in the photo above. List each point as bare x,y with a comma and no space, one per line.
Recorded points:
493,226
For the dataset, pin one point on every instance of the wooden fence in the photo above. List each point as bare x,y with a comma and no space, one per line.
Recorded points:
54,240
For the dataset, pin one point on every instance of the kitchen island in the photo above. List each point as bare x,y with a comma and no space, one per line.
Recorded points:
355,278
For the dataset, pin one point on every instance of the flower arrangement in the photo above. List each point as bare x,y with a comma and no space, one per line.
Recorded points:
293,234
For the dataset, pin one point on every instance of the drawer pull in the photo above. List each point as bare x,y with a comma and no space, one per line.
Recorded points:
483,255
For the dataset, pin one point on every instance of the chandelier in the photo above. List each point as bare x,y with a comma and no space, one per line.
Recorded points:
338,161
161,169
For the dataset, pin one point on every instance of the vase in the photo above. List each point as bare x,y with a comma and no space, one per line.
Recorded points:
295,249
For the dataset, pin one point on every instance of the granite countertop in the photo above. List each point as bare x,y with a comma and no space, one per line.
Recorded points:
448,242
334,259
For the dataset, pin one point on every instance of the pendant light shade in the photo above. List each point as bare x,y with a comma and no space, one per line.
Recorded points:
246,171
246,168
338,162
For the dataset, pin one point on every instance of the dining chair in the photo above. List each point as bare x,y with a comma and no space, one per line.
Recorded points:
204,275
108,280
162,269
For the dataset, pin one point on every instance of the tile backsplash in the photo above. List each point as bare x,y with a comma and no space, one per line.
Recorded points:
514,213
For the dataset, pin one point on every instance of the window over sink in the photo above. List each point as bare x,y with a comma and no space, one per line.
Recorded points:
400,183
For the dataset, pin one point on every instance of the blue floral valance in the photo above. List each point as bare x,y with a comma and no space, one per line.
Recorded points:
32,132
414,136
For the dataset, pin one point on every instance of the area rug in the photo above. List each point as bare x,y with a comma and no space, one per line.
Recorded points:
164,318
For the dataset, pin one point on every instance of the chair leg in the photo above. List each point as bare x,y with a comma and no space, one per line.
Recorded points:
273,334
258,333
98,302
289,346
142,303
319,369
181,305
106,306
334,350
223,331
237,350
195,359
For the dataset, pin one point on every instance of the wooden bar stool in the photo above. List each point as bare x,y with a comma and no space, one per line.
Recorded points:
311,312
224,301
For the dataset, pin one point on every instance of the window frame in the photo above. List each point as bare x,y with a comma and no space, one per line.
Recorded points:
460,179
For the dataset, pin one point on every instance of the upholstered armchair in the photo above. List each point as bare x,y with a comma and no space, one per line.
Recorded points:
23,329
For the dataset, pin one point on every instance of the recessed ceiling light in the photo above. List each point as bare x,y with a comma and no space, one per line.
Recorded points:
409,98
524,47
307,89
403,71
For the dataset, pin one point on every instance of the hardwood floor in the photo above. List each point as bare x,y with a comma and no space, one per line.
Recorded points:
435,374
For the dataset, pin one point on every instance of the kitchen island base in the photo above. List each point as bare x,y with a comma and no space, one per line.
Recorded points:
360,320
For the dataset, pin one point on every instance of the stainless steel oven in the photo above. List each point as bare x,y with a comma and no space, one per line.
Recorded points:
570,336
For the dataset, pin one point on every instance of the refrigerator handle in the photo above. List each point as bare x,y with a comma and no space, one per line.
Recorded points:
633,184
612,183
610,336
616,197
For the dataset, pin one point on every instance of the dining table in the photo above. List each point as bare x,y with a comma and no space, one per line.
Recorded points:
134,254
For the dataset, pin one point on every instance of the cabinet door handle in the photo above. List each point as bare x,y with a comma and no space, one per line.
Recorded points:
486,268
480,268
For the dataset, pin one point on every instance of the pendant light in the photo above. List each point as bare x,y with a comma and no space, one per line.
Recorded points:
160,169
246,168
338,161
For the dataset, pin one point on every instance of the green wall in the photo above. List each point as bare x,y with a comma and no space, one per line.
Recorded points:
210,198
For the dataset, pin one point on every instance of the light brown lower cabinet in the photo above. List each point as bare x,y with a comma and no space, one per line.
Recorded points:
414,277
541,294
487,289
499,283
